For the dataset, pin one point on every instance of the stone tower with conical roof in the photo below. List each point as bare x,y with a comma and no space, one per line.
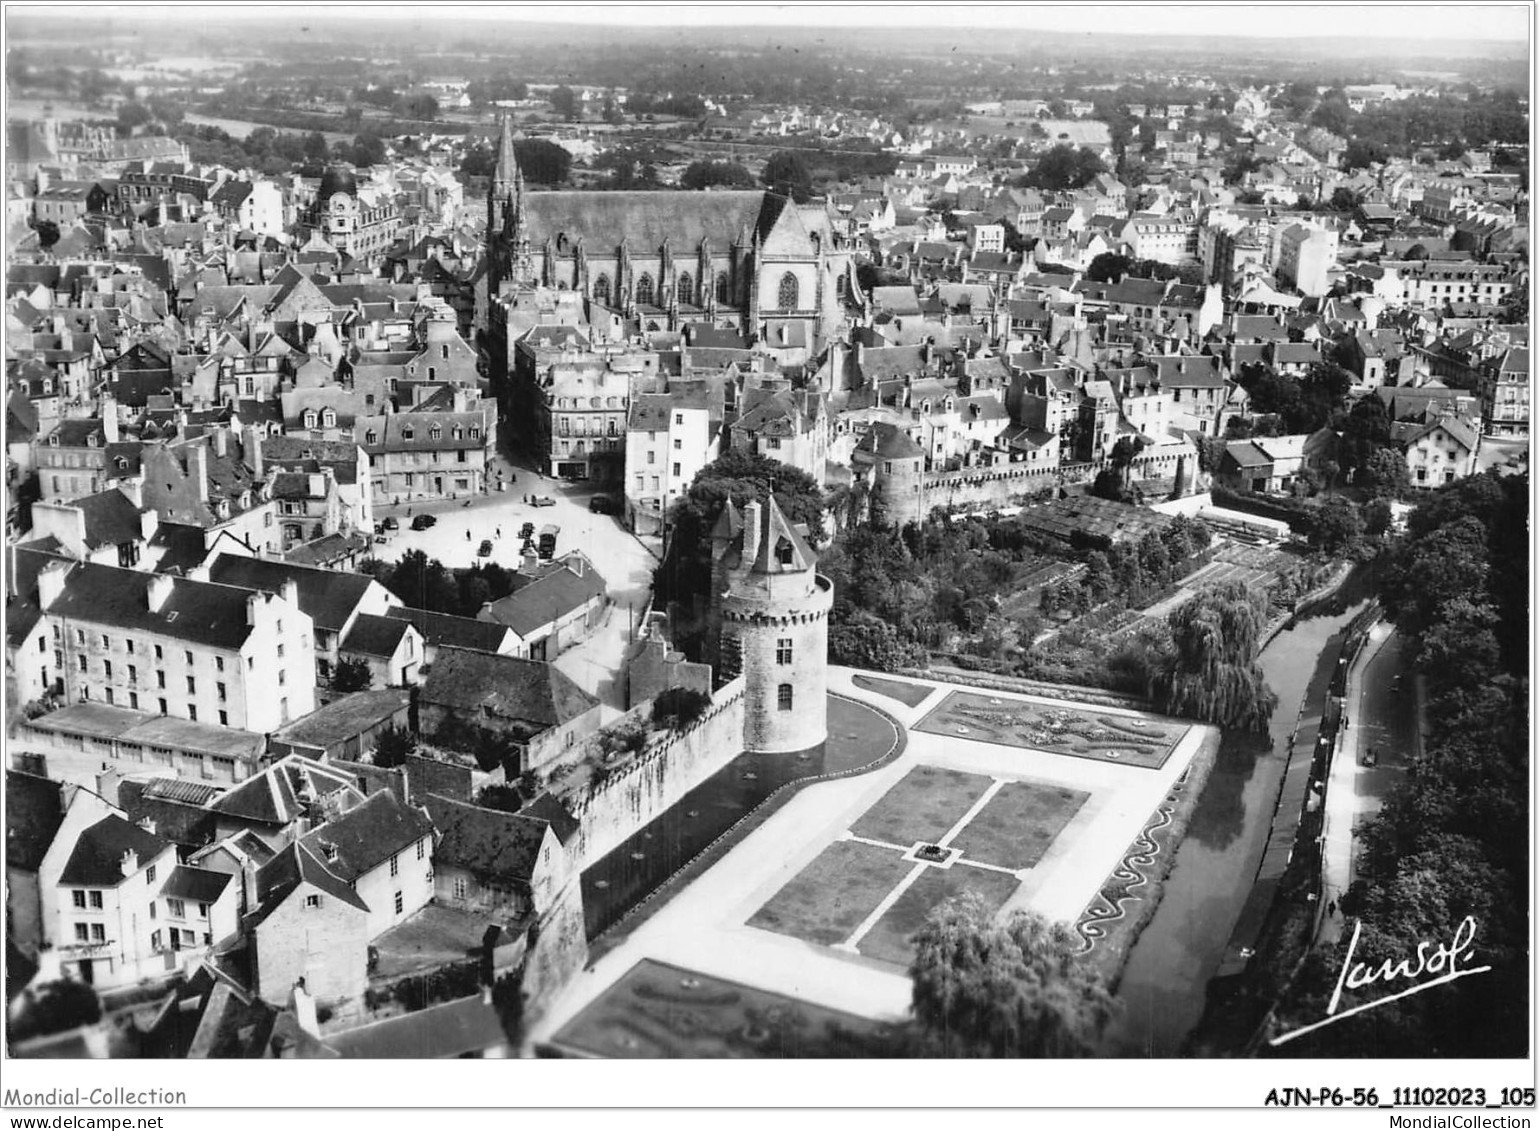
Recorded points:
770,624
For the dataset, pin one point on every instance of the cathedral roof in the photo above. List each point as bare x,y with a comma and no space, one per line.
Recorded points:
645,219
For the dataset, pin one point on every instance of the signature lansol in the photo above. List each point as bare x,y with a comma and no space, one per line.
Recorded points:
1443,959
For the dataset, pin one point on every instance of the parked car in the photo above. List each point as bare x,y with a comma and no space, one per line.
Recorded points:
391,523
527,531
548,541
543,501
423,521
601,504
485,549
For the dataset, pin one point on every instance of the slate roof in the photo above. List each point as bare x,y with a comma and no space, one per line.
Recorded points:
273,796
284,873
374,635
180,820
643,219
526,691
441,629
438,1032
327,596
549,808
209,614
34,810
96,861
198,885
558,591
887,441
367,835
110,518
485,842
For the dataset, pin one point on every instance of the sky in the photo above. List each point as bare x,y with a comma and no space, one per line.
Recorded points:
1445,21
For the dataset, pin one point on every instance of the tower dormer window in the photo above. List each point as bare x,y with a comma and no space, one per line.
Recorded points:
784,552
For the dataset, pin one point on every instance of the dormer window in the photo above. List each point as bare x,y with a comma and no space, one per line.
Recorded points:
53,441
406,432
784,552
91,440
475,433
329,419
371,437
435,432
310,418
457,432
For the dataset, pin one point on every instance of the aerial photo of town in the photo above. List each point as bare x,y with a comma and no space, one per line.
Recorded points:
720,537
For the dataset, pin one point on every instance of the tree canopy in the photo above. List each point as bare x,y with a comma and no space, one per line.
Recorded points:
709,174
1211,672
1017,989
743,476
788,175
1064,167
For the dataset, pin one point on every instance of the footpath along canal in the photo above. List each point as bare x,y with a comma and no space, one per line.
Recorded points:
1166,979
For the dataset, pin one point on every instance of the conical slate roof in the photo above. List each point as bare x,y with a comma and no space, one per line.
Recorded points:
774,532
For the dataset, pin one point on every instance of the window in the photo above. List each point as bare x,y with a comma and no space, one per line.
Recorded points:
176,908
399,903
192,713
203,910
652,456
79,898
107,668
783,650
149,878
280,646
160,679
282,677
96,901
154,940
192,686
163,706
82,933
224,718
82,663
312,902
187,656
395,865
678,445
783,697
106,641
644,289
786,294
602,289
685,289
422,849
459,887
98,932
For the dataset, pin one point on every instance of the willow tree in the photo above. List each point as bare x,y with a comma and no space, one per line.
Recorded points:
1013,989
1211,671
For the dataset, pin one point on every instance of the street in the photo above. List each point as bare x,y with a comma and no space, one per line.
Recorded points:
623,561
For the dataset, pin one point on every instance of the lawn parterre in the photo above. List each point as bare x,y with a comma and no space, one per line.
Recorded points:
1055,730
934,834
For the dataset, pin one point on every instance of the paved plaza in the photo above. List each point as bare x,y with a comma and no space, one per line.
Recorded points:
819,901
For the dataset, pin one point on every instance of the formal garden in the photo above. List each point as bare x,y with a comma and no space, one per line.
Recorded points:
1054,730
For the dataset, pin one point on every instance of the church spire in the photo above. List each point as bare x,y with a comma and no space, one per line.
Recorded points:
507,172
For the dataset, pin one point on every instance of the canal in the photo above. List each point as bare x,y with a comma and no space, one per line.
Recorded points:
1166,979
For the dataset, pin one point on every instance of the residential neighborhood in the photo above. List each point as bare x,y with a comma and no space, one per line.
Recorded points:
470,532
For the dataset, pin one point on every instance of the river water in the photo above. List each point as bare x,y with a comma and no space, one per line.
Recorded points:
1165,981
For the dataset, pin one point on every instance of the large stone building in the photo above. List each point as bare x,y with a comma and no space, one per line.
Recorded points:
770,610
752,260
361,221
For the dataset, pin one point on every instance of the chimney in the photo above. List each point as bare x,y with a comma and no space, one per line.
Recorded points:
303,1006
198,469
576,563
221,442
107,780
110,417
248,887
316,487
159,591
254,450
253,604
290,592
129,862
147,824
50,582
751,525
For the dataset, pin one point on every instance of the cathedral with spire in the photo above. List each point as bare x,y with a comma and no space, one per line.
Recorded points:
753,261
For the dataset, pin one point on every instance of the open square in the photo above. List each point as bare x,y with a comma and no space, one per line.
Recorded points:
1079,732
